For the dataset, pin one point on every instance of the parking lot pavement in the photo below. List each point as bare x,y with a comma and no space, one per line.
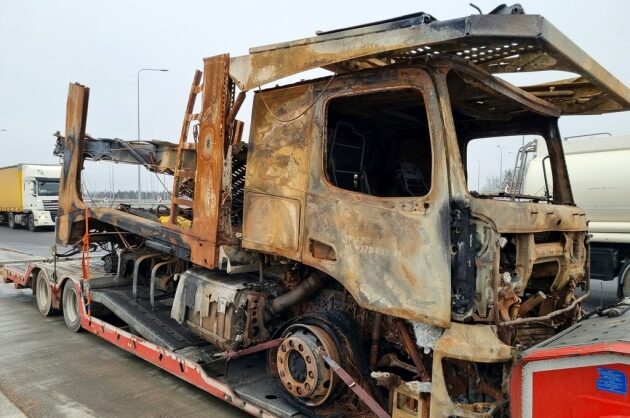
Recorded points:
22,240
47,371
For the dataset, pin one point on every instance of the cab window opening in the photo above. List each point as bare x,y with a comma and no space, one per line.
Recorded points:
379,144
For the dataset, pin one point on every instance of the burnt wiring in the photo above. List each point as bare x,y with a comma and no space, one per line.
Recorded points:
126,243
71,252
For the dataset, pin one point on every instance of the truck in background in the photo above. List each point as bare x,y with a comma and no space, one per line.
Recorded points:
599,172
30,195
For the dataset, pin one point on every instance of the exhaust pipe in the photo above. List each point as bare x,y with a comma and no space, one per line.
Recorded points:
308,287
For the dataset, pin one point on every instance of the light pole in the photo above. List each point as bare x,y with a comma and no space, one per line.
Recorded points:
478,175
138,101
500,166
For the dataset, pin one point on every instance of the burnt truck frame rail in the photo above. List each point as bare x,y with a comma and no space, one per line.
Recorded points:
343,232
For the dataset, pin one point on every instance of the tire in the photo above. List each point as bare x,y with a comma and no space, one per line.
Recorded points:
31,223
11,221
42,294
624,279
70,303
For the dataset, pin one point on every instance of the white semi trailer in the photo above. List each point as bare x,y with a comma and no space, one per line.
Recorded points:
599,169
29,195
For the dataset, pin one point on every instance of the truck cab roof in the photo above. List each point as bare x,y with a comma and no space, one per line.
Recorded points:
495,43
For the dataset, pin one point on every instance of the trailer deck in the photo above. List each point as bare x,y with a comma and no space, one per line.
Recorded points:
153,336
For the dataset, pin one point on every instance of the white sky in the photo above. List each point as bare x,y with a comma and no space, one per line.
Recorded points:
44,45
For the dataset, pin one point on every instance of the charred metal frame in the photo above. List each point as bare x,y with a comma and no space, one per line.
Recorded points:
155,156
392,254
200,243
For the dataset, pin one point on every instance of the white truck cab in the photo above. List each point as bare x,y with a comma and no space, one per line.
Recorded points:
31,195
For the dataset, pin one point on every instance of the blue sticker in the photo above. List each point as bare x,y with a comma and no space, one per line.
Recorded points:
612,381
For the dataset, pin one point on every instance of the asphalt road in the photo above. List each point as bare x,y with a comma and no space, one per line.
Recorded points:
22,240
47,371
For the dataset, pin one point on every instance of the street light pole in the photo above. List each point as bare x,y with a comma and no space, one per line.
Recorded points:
500,167
138,102
478,175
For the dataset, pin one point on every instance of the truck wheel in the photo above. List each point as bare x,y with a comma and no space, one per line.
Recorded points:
307,381
624,279
31,223
42,294
11,221
70,302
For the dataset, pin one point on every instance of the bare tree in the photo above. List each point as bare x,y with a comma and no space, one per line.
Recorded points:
494,184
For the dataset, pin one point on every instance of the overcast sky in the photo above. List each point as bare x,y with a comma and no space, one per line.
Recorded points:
44,45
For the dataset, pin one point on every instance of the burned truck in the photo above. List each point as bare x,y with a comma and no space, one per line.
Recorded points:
337,259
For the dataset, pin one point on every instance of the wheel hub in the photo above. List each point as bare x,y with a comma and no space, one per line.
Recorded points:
301,368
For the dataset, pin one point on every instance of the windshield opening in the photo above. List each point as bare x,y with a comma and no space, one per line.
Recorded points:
48,188
505,146
514,166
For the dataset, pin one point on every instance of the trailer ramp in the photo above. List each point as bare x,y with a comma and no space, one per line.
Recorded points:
153,324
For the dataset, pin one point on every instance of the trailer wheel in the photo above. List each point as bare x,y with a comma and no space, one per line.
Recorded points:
42,294
624,279
70,301
11,221
31,223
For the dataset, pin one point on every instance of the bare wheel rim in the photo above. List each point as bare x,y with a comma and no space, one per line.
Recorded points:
301,368
71,306
43,293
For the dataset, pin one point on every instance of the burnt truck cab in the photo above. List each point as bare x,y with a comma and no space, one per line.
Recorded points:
346,223
368,186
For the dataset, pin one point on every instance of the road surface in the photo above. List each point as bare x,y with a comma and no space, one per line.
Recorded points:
47,371
25,241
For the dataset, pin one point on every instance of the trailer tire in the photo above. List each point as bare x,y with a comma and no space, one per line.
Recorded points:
11,221
31,223
42,293
624,279
70,303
